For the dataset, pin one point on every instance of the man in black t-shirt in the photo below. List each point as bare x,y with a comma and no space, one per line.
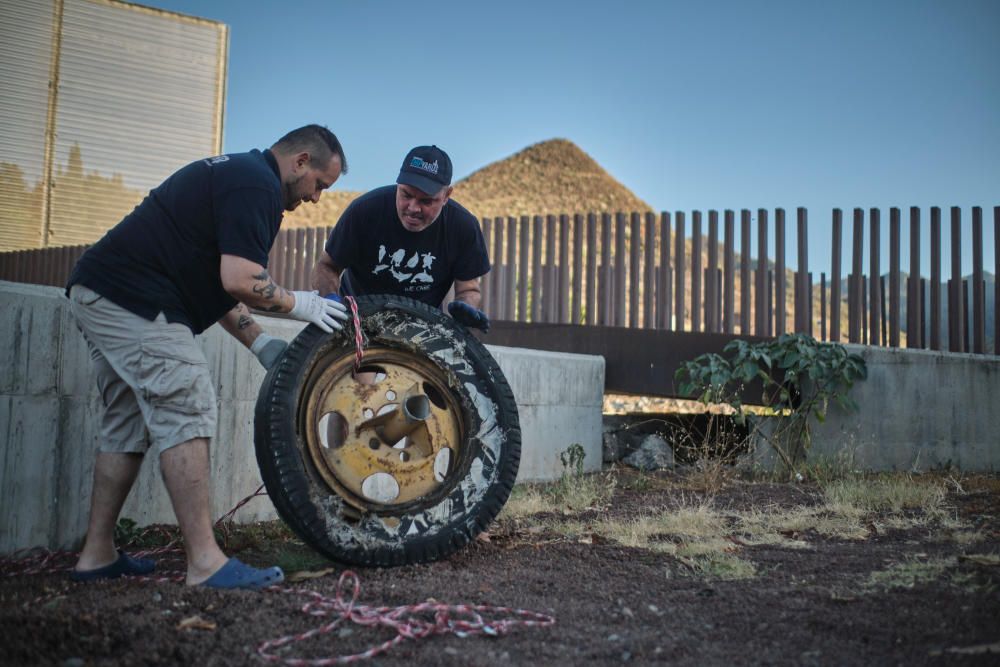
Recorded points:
193,253
409,239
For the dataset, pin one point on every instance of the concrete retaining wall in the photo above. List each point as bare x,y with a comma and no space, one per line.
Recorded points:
918,410
49,416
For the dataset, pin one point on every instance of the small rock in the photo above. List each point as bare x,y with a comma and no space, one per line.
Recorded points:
73,662
653,453
614,638
157,597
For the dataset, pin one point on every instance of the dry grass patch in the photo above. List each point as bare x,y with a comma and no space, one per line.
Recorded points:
708,539
572,493
910,572
893,493
720,565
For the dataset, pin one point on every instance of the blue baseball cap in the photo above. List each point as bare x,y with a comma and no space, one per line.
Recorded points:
427,168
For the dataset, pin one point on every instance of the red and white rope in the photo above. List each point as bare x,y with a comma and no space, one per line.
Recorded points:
417,621
359,337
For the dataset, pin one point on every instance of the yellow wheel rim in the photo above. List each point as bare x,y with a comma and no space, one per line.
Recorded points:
351,425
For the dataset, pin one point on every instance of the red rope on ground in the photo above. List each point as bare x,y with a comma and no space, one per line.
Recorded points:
417,621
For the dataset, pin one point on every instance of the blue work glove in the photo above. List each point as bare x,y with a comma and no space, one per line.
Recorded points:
268,350
468,316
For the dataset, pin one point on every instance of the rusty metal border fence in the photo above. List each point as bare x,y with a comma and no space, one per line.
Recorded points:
642,271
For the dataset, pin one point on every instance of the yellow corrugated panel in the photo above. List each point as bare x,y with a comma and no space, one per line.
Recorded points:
26,37
140,94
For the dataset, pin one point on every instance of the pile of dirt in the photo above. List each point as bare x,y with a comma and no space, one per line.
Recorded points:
324,213
553,176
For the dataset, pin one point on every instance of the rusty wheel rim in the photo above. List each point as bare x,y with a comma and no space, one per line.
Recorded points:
355,426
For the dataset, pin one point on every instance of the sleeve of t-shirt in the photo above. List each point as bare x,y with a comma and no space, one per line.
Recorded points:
473,258
243,219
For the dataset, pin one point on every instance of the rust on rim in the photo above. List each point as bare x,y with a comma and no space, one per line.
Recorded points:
386,436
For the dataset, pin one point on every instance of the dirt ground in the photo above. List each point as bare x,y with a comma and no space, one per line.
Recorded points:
812,604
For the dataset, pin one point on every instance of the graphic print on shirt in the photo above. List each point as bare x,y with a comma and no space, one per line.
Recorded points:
412,270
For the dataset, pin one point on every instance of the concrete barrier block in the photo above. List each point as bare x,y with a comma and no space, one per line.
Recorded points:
235,474
552,378
31,329
28,476
560,400
918,410
79,440
549,430
76,371
15,329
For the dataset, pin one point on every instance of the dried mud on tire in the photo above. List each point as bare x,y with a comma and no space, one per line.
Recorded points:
612,604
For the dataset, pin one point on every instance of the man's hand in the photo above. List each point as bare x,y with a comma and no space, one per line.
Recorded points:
324,313
268,350
468,316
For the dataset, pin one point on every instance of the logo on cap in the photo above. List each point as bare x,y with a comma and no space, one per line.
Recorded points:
420,163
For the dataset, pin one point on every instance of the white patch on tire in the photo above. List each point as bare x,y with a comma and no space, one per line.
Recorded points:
380,487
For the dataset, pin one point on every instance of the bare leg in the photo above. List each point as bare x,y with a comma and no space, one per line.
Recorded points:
186,475
114,474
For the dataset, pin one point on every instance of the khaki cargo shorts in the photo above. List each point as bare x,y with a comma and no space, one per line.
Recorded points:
153,376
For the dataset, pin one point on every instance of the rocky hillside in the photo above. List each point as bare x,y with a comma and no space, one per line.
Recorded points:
326,212
553,176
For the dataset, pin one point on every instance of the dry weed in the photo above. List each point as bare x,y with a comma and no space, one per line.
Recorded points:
909,573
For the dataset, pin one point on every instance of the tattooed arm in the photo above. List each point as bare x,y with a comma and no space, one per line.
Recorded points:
241,325
251,284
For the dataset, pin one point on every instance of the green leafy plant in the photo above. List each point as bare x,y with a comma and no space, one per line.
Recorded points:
798,375
572,460
126,532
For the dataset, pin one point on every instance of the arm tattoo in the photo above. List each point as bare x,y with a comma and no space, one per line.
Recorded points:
268,290
244,320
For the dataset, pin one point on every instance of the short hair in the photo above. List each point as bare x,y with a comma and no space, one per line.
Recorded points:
318,141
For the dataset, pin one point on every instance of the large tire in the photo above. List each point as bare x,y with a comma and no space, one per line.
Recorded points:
366,502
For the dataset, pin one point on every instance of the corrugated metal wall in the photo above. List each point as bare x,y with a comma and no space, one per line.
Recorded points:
26,36
140,93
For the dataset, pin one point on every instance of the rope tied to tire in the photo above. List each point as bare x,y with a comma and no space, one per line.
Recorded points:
359,337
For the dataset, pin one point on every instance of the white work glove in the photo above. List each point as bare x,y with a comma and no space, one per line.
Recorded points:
324,313
268,349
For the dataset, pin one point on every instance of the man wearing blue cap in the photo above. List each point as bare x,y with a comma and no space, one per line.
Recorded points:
410,239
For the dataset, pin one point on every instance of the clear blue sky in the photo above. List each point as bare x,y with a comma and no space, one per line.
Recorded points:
692,105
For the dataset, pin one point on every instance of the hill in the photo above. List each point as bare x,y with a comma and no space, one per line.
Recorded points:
325,213
553,176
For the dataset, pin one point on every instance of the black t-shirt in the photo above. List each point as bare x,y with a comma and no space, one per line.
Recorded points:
164,256
383,257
